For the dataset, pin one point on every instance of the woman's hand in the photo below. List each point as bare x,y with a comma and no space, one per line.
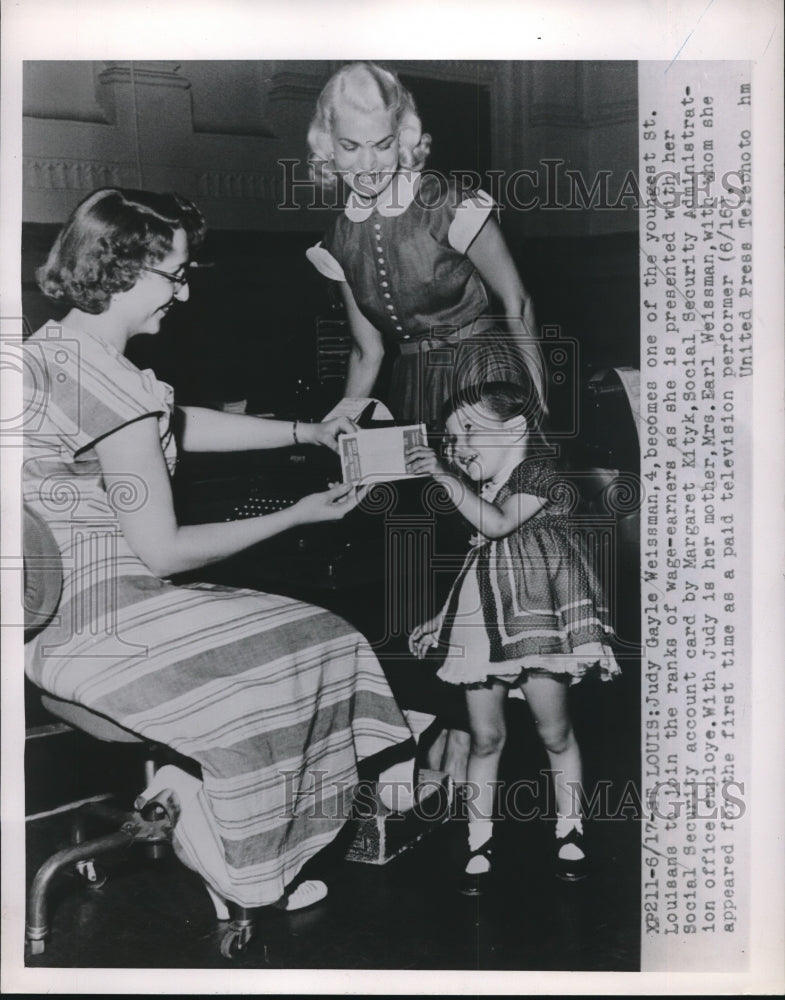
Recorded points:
327,432
331,505
426,636
424,461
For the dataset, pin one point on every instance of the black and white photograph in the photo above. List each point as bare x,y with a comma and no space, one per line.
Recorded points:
388,490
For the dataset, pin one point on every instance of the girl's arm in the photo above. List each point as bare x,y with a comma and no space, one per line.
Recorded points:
493,520
365,358
132,454
213,430
425,636
490,255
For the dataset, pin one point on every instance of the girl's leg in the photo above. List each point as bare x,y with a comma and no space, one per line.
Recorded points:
547,698
488,733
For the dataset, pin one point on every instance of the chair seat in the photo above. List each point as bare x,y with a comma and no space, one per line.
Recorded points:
88,722
43,572
43,584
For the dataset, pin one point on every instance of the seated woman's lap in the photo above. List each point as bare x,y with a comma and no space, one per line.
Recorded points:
276,700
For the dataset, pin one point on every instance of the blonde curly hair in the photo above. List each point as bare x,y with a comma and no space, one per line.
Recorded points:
366,87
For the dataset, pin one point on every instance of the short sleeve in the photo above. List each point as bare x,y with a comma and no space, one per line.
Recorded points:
325,263
470,216
86,392
537,477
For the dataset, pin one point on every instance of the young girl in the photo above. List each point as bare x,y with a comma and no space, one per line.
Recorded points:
526,610
416,257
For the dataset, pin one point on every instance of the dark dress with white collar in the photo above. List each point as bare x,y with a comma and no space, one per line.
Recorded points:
405,261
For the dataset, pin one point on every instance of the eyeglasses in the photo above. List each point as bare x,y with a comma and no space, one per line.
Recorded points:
178,280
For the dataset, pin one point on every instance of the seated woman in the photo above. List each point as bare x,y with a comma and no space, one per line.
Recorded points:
275,700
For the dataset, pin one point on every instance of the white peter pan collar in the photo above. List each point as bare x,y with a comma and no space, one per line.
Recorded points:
394,200
491,487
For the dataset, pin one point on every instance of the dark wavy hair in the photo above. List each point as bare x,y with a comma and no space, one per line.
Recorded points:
108,238
504,400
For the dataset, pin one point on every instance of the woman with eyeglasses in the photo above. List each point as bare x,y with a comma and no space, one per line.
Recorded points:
275,700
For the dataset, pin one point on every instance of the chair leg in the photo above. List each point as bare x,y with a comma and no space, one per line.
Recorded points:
133,828
238,934
37,927
105,813
154,852
152,827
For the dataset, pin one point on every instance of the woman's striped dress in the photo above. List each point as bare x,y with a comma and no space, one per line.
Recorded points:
276,700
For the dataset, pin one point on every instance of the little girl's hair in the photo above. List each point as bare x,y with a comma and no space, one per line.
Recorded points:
505,400
366,87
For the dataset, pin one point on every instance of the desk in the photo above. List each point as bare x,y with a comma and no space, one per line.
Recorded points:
383,568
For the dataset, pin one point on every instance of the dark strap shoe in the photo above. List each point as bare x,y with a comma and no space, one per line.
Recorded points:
477,883
571,869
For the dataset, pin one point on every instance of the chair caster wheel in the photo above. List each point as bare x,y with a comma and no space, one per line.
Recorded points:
236,938
93,876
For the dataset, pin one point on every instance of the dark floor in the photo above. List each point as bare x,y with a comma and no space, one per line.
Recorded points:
403,915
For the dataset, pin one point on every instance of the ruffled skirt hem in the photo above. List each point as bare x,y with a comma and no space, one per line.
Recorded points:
594,659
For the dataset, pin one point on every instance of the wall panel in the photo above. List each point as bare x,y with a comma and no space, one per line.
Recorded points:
218,130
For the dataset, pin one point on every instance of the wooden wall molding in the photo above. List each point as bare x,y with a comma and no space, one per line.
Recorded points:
150,74
235,184
57,174
295,86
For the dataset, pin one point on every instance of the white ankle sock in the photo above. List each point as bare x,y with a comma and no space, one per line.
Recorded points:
569,852
480,830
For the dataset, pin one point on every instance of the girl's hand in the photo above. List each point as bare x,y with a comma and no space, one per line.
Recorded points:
423,461
331,505
425,636
327,432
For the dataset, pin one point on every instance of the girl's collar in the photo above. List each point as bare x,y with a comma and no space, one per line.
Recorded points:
394,200
491,487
